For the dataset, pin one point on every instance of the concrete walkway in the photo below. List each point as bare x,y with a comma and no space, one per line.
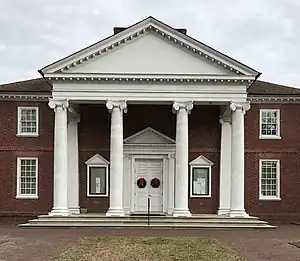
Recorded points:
42,244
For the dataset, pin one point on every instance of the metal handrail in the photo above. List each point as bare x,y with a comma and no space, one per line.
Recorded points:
148,216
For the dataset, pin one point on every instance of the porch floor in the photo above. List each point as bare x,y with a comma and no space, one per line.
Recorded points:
101,220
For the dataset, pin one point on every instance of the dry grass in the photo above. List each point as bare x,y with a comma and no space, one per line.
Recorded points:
129,248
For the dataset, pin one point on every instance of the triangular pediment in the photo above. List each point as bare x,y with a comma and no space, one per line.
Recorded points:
149,54
201,161
97,160
149,47
149,136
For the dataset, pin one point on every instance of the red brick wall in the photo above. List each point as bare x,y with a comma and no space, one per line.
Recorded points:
94,131
287,150
204,139
11,147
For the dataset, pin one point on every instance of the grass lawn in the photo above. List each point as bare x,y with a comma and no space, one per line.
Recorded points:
140,248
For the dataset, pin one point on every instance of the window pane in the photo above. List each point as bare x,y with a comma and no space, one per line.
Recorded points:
97,180
200,181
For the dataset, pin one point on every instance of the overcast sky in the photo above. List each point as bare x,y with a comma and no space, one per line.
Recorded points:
264,34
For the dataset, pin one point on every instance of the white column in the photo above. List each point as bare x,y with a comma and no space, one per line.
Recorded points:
225,165
171,158
127,184
237,208
181,208
116,207
73,165
60,185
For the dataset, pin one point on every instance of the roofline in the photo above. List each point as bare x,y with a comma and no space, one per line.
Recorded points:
20,81
255,79
89,46
207,46
227,57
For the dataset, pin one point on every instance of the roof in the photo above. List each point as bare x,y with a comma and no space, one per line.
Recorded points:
39,85
266,88
35,86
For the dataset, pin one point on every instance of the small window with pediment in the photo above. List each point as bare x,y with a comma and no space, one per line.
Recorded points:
200,177
97,176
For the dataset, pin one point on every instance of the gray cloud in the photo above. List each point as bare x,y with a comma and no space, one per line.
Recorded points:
263,34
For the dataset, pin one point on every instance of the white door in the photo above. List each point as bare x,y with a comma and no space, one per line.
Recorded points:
150,170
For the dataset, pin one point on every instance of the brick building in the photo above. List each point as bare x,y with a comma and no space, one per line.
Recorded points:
149,111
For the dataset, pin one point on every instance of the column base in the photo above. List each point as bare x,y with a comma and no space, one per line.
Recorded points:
238,213
223,211
170,212
127,211
181,213
115,213
59,212
74,210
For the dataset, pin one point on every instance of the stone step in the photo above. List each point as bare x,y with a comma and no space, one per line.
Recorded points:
152,217
153,225
163,219
134,221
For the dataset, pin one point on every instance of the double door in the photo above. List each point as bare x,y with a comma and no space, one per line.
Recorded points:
148,184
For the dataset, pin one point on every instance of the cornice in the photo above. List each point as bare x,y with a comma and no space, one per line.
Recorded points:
272,99
28,97
145,79
183,44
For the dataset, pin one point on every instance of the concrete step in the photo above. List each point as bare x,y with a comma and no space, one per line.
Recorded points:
103,216
101,220
137,221
144,219
153,225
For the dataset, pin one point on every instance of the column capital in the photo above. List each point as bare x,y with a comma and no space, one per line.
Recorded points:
225,119
73,114
122,105
244,106
55,103
187,105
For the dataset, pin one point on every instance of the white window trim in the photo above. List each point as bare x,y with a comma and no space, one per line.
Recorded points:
269,137
18,194
191,181
88,179
261,197
27,134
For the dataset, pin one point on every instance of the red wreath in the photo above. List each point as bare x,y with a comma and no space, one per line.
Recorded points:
155,182
141,183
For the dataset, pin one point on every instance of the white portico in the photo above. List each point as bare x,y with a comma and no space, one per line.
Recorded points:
149,63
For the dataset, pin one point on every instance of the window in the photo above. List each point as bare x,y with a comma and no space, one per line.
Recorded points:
200,177
200,181
97,176
28,121
27,177
269,124
269,180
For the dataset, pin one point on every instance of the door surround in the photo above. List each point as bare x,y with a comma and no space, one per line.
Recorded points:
149,149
